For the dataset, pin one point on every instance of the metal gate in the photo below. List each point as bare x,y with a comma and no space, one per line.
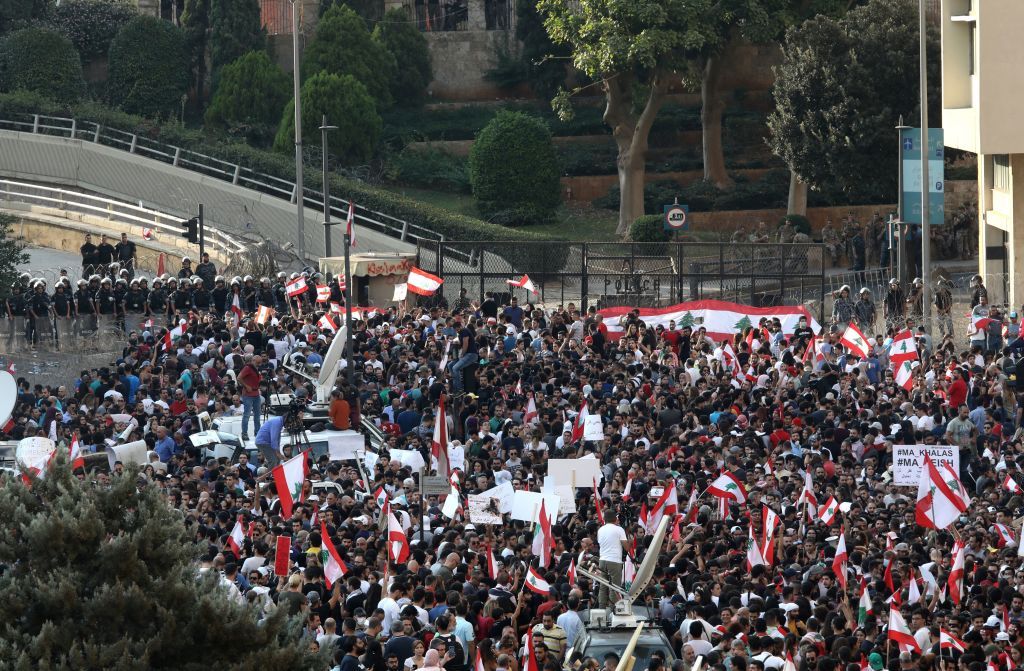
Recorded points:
608,274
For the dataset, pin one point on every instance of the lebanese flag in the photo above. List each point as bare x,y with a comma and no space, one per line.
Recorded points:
827,513
423,283
536,583
147,234
323,293
754,555
941,497
628,489
334,568
523,283
597,503
398,543
571,573
980,323
807,496
171,336
855,341
264,313
350,224
789,665
1010,485
326,322
381,497
530,663
578,423
721,319
439,441
913,591
237,537
887,578
236,305
531,415
905,374
1006,537
295,287
492,564
769,520
542,538
839,562
667,505
947,641
337,309
691,506
642,517
903,348
75,454
727,486
900,633
628,571
864,606
956,573
289,478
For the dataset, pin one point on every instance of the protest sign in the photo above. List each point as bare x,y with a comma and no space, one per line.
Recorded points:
575,472
908,460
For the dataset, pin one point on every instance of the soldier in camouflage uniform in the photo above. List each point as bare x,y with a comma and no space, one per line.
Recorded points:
761,235
739,235
864,312
787,232
842,308
830,239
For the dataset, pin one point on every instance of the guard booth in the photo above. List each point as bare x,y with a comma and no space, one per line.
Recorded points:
374,274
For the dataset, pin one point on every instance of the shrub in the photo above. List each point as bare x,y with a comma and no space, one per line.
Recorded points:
91,25
649,228
430,169
149,67
801,223
408,47
250,90
347,105
17,13
514,170
343,46
35,59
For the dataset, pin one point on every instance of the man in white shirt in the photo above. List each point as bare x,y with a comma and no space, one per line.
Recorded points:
390,607
612,541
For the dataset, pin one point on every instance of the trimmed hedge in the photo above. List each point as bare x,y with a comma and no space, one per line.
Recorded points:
40,60
149,66
451,225
649,228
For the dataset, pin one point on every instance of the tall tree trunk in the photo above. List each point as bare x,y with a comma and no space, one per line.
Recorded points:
631,132
797,195
712,106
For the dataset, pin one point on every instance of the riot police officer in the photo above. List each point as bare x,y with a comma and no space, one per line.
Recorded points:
158,298
106,306
201,299
85,308
180,300
219,296
280,294
249,292
266,293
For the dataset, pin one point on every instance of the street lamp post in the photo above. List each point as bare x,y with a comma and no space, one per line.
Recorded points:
298,133
327,189
901,240
926,238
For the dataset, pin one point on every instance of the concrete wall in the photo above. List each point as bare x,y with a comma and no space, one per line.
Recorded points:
461,59
726,222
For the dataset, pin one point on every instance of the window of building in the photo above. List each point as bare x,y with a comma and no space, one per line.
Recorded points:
1001,172
972,35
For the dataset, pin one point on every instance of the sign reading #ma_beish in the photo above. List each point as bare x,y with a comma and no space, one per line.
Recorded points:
908,460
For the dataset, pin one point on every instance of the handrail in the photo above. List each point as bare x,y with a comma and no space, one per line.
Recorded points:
236,174
115,210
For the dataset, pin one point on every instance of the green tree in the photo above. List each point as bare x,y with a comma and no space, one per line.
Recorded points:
195,20
14,13
408,47
514,170
104,576
12,254
40,60
840,91
343,46
371,11
347,105
633,51
91,24
535,59
235,29
149,67
251,90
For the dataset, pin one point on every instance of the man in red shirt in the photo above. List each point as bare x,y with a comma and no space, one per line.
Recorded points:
957,389
249,379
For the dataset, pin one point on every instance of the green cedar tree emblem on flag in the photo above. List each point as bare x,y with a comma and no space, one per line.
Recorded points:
742,324
687,320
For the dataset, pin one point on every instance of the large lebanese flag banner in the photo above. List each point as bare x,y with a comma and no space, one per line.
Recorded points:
722,319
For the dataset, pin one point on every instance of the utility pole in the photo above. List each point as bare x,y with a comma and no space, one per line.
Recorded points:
898,230
926,242
327,189
350,361
298,132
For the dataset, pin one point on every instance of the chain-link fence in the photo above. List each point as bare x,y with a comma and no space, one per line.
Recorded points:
632,274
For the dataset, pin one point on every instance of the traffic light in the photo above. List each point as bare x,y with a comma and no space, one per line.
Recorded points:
190,230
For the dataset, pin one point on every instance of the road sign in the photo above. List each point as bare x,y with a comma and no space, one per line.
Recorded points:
676,217
910,164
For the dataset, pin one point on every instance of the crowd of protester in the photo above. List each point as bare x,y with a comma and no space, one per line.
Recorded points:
674,414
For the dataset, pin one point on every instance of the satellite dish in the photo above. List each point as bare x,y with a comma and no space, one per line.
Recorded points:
327,369
8,396
645,571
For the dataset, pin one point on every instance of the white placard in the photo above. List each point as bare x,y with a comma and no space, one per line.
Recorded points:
526,505
504,493
127,454
411,458
481,511
593,429
566,495
401,291
451,505
344,445
908,460
575,472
